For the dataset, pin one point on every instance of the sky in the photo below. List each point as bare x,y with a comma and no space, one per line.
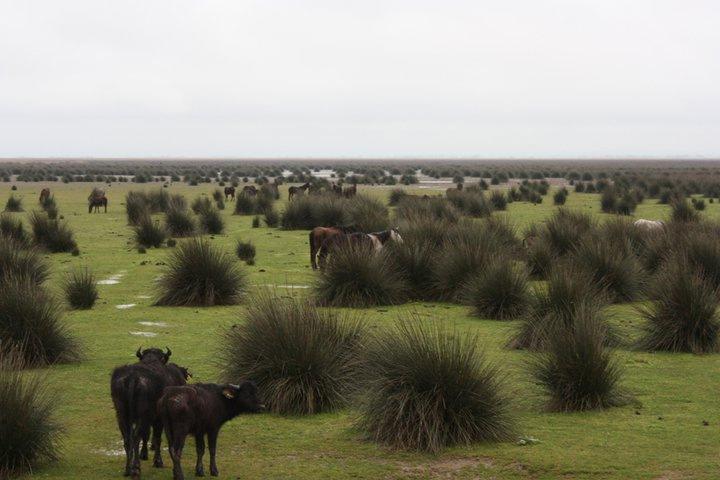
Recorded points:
350,79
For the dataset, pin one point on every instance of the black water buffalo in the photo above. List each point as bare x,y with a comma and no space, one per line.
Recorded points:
135,390
201,409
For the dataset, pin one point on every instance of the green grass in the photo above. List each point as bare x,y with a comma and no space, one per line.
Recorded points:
666,439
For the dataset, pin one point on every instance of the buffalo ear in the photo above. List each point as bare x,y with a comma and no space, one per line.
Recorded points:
139,352
228,393
167,354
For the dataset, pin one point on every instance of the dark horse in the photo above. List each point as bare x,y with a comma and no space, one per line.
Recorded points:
350,191
230,192
96,200
292,191
373,241
44,194
319,235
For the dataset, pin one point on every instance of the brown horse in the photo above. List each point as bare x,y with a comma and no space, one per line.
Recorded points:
44,194
318,236
373,241
230,192
350,191
96,200
292,191
249,190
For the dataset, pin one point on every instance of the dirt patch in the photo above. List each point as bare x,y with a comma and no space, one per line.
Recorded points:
447,468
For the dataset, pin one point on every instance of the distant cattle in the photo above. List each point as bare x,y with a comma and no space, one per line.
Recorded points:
230,193
135,390
292,191
249,190
201,409
96,200
44,195
373,241
350,191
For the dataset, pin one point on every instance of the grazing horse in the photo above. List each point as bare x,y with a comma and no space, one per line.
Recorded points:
319,235
292,191
350,191
249,190
44,194
649,225
373,241
337,190
96,200
230,193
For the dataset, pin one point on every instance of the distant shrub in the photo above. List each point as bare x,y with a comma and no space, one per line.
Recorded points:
53,235
428,389
500,291
136,206
560,196
31,324
19,263
28,418
199,274
498,200
608,201
14,204
211,221
432,208
245,205
272,218
310,211
566,229
12,229
256,222
470,202
80,289
245,251
683,316
219,198
149,232
179,222
396,195
355,276
304,359
577,371
200,205
683,212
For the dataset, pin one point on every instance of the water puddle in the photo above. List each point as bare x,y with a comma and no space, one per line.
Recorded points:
126,306
153,324
143,334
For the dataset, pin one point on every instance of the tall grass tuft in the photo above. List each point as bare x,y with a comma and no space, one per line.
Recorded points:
304,359
31,323
683,315
683,212
245,251
428,389
179,222
149,232
500,291
198,274
211,221
357,276
272,218
431,208
566,229
11,229
20,263
136,206
80,289
577,371
367,214
29,430
14,204
53,235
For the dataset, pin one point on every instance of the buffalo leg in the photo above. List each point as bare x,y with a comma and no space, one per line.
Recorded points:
135,466
156,444
176,443
200,449
127,444
212,446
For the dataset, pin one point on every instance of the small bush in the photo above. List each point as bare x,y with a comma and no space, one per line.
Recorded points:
201,204
12,229
171,242
198,274
367,214
14,204
498,200
412,209
245,251
305,360
272,218
577,371
136,206
566,229
149,233
53,235
683,316
428,389
683,212
211,221
500,291
608,201
245,205
396,195
356,276
560,196
17,262
540,256
698,204
470,202
256,222
31,324
29,431
80,289
179,222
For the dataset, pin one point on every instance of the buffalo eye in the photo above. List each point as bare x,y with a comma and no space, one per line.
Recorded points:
228,393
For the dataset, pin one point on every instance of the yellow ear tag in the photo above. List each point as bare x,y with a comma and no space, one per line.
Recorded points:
228,393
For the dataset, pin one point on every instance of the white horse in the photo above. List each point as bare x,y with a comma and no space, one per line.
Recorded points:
649,225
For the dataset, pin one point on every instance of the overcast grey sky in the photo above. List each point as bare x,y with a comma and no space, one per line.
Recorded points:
508,78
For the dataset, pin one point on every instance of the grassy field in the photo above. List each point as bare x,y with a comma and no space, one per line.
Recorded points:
661,437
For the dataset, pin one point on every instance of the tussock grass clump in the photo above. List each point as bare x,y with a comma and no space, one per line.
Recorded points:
498,200
357,276
577,371
53,235
272,218
310,211
201,204
219,198
211,221
614,268
304,359
428,389
149,232
179,222
80,289
136,206
566,229
29,431
367,214
471,202
245,251
555,307
702,252
14,204
12,229
430,208
500,291
683,212
245,205
396,195
31,324
683,315
560,196
198,274
20,263
540,256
